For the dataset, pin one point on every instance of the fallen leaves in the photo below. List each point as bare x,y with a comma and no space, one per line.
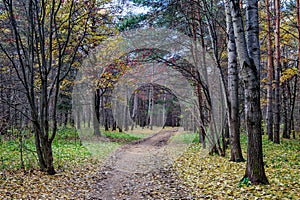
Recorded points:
191,176
75,182
216,177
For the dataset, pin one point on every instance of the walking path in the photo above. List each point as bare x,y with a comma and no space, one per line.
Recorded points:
140,170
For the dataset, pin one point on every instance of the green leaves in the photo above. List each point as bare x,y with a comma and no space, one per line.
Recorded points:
244,181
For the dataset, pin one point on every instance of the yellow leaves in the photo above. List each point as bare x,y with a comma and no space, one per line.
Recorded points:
108,79
217,178
72,183
4,69
65,84
3,15
73,163
288,73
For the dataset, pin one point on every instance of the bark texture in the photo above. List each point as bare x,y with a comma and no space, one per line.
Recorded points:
270,68
249,73
233,86
277,74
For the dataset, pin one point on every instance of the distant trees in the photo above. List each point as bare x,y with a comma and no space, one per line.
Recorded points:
281,57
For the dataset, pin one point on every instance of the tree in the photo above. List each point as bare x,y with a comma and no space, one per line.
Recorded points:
249,74
48,38
277,74
298,28
270,76
233,86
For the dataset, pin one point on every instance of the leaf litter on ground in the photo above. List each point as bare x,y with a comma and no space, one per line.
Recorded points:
192,174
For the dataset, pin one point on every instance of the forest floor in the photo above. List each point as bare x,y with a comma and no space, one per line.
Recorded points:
141,169
148,168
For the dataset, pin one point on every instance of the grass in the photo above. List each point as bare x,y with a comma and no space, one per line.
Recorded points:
186,138
126,137
67,148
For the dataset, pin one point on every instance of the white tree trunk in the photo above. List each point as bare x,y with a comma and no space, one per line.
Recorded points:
254,168
233,86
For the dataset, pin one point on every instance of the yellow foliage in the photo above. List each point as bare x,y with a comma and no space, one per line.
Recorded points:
288,73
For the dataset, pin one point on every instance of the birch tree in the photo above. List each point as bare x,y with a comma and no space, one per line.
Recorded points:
233,85
250,76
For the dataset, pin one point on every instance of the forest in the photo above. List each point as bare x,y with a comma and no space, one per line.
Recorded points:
140,99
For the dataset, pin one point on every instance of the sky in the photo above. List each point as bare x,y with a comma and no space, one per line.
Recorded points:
127,7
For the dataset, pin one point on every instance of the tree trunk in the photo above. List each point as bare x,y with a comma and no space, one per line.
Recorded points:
66,118
233,86
298,61
285,112
149,113
44,151
293,103
298,28
48,156
152,109
89,116
134,110
202,132
106,118
269,117
125,122
96,113
78,115
249,73
277,74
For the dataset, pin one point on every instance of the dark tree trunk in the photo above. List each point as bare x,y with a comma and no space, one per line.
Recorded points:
277,75
78,120
202,132
106,126
114,126
66,118
96,113
48,155
298,28
293,104
44,151
285,113
89,117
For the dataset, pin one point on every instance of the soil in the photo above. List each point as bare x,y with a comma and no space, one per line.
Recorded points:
140,170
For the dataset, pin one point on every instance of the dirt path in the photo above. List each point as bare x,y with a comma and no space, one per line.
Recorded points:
140,170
